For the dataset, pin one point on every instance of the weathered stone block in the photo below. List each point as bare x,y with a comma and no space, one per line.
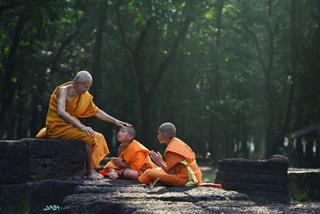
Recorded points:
277,165
304,184
264,179
14,161
32,197
52,158
36,159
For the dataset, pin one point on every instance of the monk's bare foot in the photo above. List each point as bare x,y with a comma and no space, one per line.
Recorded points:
113,175
93,175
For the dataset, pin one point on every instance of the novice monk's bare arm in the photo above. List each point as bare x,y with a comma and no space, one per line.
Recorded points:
61,106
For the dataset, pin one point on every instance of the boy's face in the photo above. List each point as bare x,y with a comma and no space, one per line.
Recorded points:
124,136
162,137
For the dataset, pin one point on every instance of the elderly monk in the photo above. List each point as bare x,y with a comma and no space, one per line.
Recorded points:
179,168
133,158
69,102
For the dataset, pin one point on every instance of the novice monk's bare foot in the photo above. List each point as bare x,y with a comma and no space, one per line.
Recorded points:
113,175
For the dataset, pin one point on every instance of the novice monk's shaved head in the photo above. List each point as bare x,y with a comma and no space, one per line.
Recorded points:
168,129
130,130
82,77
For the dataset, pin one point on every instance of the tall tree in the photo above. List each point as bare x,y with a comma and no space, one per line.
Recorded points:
8,86
147,88
97,66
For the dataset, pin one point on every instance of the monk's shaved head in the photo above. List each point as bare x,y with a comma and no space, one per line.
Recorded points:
82,77
168,129
130,130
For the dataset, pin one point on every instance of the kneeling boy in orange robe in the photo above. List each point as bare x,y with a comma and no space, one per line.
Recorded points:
133,158
180,167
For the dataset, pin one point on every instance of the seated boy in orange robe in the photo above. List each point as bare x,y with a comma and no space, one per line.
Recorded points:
133,158
179,168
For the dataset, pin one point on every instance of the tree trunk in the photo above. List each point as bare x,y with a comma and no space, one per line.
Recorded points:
215,124
147,130
97,53
293,47
8,86
270,137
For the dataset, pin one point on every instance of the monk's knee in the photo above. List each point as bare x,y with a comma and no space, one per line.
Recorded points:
99,135
100,138
88,140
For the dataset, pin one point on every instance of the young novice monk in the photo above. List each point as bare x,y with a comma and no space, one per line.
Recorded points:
133,158
179,168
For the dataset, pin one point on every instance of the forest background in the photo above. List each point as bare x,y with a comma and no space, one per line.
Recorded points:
234,76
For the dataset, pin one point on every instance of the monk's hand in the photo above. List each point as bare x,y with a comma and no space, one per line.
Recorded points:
156,157
87,130
121,123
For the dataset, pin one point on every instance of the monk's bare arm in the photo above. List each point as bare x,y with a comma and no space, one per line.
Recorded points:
106,117
61,106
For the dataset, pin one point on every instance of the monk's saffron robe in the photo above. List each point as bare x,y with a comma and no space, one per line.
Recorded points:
181,165
135,155
79,106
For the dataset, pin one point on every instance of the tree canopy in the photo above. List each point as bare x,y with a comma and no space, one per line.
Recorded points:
235,76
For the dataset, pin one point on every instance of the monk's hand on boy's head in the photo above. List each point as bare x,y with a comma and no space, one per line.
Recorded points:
127,124
121,123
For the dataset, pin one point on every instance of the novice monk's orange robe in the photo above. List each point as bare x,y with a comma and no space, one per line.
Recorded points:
135,155
79,106
181,164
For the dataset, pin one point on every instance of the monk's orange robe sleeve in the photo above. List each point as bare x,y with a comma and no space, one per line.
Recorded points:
173,159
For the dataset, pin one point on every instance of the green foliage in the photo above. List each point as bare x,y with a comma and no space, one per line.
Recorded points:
298,195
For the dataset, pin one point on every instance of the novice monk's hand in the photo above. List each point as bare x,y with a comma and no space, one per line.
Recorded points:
156,157
116,159
119,162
